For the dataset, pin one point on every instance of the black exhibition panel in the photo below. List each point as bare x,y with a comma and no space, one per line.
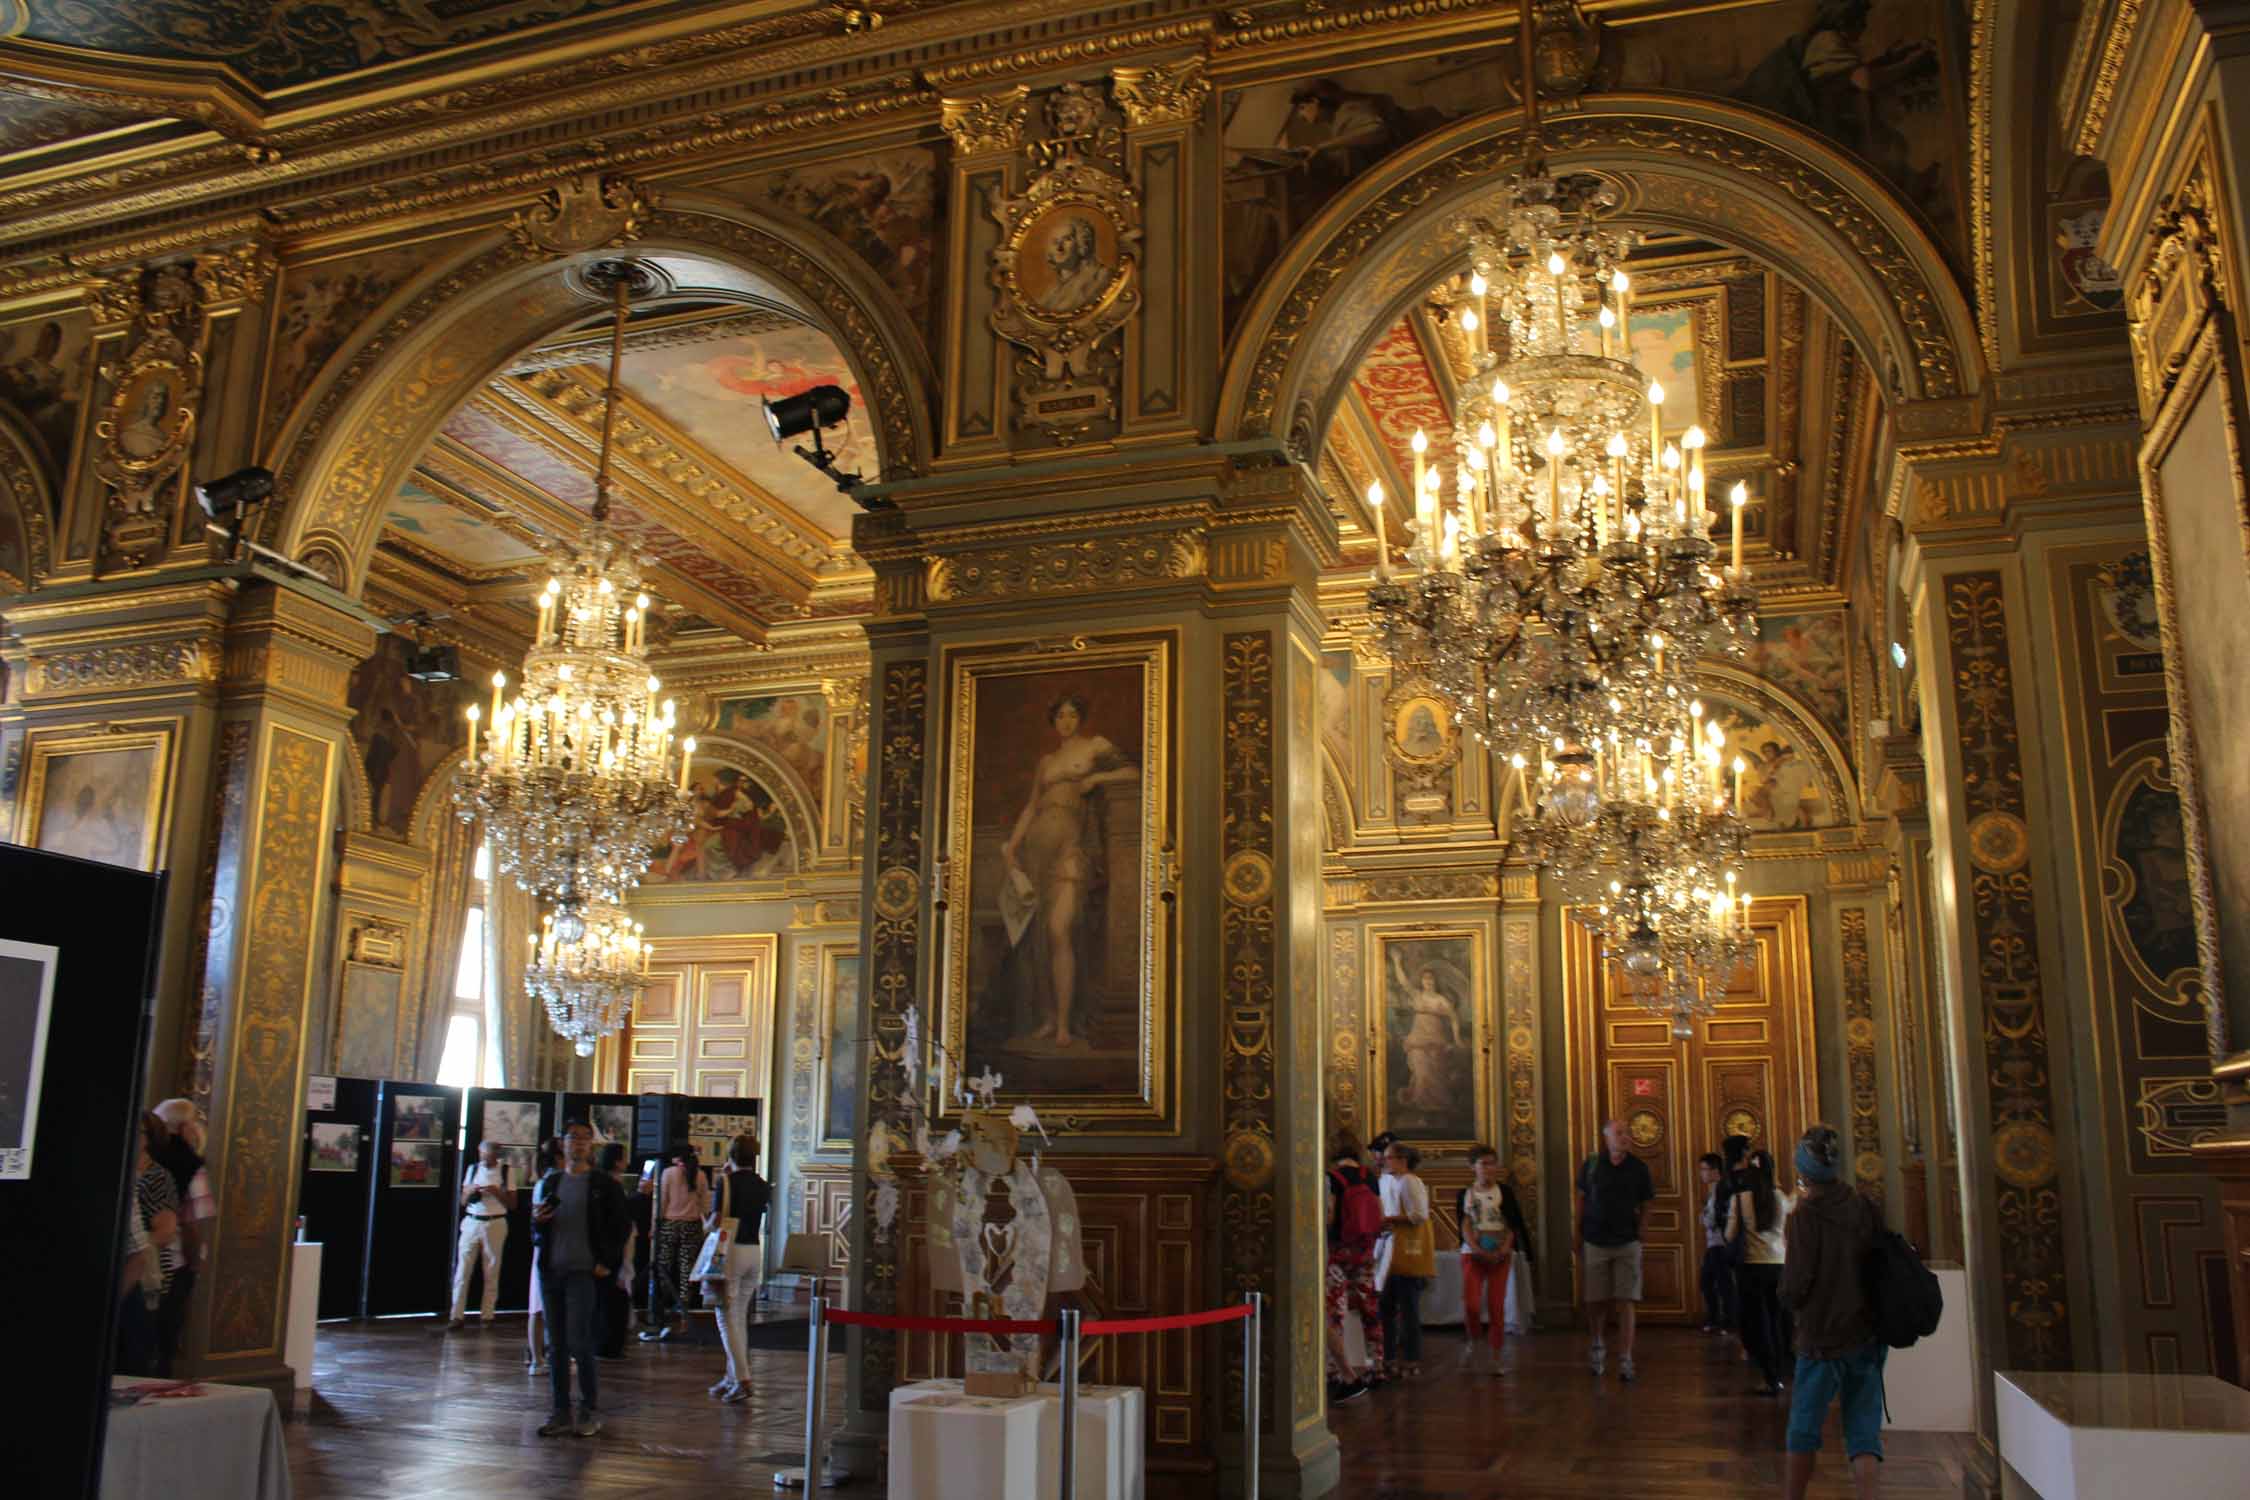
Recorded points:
506,1116
410,1217
62,1223
333,1191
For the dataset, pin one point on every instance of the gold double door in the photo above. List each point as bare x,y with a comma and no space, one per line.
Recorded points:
1748,1070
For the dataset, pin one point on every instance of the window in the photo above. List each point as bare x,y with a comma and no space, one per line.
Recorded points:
469,1056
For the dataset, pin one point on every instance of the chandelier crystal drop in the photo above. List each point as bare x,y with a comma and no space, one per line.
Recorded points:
576,778
588,983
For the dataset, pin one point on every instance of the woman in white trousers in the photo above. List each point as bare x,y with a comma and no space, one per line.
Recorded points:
738,1213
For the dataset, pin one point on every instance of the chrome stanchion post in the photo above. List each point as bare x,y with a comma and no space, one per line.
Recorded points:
1069,1488
814,1475
1253,1334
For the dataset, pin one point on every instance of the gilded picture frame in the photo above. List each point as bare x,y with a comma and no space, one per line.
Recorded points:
97,795
1430,1033
1059,839
836,1073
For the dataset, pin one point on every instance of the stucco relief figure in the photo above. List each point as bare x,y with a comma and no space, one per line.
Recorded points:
149,429
1431,1038
1057,870
1081,275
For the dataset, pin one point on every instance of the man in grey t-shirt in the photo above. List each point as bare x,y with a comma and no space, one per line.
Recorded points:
579,1226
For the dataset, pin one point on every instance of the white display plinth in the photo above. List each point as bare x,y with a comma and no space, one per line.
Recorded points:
304,1312
1932,1386
2096,1437
932,1422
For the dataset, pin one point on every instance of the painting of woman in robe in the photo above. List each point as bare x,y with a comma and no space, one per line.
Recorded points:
1053,990
1429,1084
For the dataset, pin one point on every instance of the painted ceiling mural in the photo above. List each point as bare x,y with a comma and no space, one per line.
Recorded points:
277,46
468,535
885,206
29,124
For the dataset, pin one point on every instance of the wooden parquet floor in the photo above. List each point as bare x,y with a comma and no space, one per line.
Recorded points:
399,1413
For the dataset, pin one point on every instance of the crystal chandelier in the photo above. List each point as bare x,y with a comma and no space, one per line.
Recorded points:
576,778
589,983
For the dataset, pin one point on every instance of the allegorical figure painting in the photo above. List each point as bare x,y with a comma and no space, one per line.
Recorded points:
1054,1005
1429,1030
97,804
403,730
739,832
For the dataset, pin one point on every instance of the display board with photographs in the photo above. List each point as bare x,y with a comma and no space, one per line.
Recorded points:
415,1164
522,1163
334,1148
27,997
613,1124
712,1134
511,1122
417,1117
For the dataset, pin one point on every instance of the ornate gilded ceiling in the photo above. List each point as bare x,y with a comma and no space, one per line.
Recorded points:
745,533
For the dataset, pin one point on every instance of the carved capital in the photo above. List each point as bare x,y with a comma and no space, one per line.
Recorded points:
1166,94
988,123
233,276
590,213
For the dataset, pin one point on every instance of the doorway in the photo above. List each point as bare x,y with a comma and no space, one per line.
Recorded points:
1748,1070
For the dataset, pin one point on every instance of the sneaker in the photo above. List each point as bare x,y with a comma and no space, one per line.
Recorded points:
557,1425
721,1386
656,1335
736,1395
589,1422
1468,1356
1350,1390
1597,1358
1625,1369
456,1325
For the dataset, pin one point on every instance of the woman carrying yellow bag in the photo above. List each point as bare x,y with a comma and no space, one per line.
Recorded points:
1406,1260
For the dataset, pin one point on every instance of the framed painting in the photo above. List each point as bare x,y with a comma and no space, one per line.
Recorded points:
1059,949
334,1148
97,796
1432,1039
842,1017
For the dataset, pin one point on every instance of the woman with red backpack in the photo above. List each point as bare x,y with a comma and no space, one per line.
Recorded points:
1355,1223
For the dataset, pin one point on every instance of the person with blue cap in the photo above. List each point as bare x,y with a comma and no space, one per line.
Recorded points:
1839,1357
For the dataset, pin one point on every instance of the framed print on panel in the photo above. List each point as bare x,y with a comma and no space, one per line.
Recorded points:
334,1148
1432,1041
1059,949
842,1017
27,999
97,796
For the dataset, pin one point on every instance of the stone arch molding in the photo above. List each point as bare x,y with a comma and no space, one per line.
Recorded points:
27,540
1733,175
342,455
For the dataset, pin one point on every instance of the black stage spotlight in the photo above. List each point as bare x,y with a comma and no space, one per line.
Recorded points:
244,487
808,411
812,410
434,664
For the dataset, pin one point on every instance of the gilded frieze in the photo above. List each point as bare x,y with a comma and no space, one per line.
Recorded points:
2019,1082
121,668
1067,566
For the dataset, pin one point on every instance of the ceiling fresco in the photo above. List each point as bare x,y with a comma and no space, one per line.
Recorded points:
465,534
278,46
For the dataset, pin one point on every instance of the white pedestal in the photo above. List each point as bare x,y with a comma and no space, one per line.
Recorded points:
948,1446
304,1312
2096,1437
936,1421
1932,1386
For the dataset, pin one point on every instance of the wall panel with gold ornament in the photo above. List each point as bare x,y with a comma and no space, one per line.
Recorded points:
704,1024
2144,989
99,791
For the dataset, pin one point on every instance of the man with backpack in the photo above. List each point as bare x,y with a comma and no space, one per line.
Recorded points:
1355,1223
1825,1282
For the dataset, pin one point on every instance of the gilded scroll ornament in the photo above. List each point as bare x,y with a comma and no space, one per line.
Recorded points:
2181,289
1859,1050
1067,567
1165,94
110,669
1067,268
592,213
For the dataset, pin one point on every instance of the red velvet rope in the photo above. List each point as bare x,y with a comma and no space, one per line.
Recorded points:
934,1325
1166,1325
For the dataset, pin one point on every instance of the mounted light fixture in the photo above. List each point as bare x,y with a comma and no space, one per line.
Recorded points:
244,487
813,410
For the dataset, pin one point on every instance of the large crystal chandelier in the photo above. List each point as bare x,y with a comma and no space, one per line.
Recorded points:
588,983
1563,578
576,778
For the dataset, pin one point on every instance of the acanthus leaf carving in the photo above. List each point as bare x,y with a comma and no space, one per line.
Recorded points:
1163,94
987,124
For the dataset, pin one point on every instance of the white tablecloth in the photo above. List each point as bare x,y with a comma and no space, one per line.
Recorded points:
945,1444
222,1445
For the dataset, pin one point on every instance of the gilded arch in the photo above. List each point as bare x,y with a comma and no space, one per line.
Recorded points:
1734,175
343,454
789,790
27,540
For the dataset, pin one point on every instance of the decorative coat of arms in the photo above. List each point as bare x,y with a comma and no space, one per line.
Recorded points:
1067,267
142,434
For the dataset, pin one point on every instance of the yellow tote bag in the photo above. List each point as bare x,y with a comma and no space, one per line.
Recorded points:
1414,1251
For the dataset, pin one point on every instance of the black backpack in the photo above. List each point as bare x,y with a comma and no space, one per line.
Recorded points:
1903,1296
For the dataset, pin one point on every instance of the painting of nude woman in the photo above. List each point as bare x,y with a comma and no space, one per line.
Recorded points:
1432,1083
1056,782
